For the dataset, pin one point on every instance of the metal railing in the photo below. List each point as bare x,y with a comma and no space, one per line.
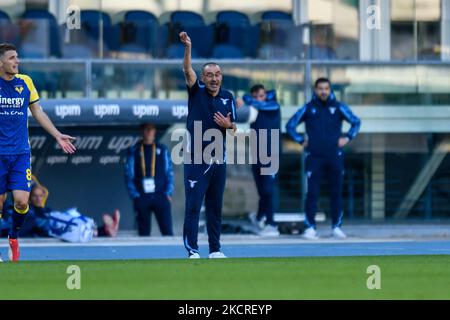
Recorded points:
358,82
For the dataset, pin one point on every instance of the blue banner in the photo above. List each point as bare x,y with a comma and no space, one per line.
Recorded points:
94,112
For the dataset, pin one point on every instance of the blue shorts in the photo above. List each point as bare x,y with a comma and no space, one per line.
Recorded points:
15,172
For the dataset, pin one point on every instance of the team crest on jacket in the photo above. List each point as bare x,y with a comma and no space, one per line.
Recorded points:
224,101
332,110
192,183
19,89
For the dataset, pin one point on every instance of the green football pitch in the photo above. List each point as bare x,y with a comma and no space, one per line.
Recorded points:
401,277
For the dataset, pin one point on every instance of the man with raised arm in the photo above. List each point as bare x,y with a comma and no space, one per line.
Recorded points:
210,109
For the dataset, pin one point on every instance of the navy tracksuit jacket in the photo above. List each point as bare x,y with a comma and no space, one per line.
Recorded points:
323,123
157,202
269,118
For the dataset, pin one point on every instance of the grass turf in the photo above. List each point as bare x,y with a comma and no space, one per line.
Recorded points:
402,277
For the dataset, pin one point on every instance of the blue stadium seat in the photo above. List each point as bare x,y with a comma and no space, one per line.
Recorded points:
202,35
132,48
112,37
33,50
71,51
8,31
140,28
187,18
280,37
234,28
276,15
133,51
176,51
90,26
44,23
224,51
38,14
232,17
4,16
90,20
134,15
162,40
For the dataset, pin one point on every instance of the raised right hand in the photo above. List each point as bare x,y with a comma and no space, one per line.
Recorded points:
184,38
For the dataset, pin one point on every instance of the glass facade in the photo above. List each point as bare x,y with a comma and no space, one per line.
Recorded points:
334,26
415,29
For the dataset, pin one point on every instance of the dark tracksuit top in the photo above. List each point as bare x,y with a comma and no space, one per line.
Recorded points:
145,203
205,180
269,118
323,124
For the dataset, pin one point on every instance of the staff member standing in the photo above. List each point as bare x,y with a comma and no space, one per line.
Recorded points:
268,119
323,117
214,109
149,180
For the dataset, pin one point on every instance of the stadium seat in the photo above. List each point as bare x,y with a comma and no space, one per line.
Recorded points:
202,35
232,17
276,15
133,51
187,18
38,14
90,26
135,15
32,50
4,16
44,32
91,19
176,51
162,40
234,28
132,48
224,51
71,51
44,80
8,31
139,30
280,37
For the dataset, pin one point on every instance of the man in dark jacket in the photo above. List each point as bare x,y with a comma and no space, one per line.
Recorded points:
268,119
149,179
323,117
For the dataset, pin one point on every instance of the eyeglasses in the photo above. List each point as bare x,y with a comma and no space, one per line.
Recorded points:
213,75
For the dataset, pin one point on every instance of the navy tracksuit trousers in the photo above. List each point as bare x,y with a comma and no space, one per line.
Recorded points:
203,181
264,185
332,167
160,205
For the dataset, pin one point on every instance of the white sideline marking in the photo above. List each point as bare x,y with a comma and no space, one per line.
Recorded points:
178,242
